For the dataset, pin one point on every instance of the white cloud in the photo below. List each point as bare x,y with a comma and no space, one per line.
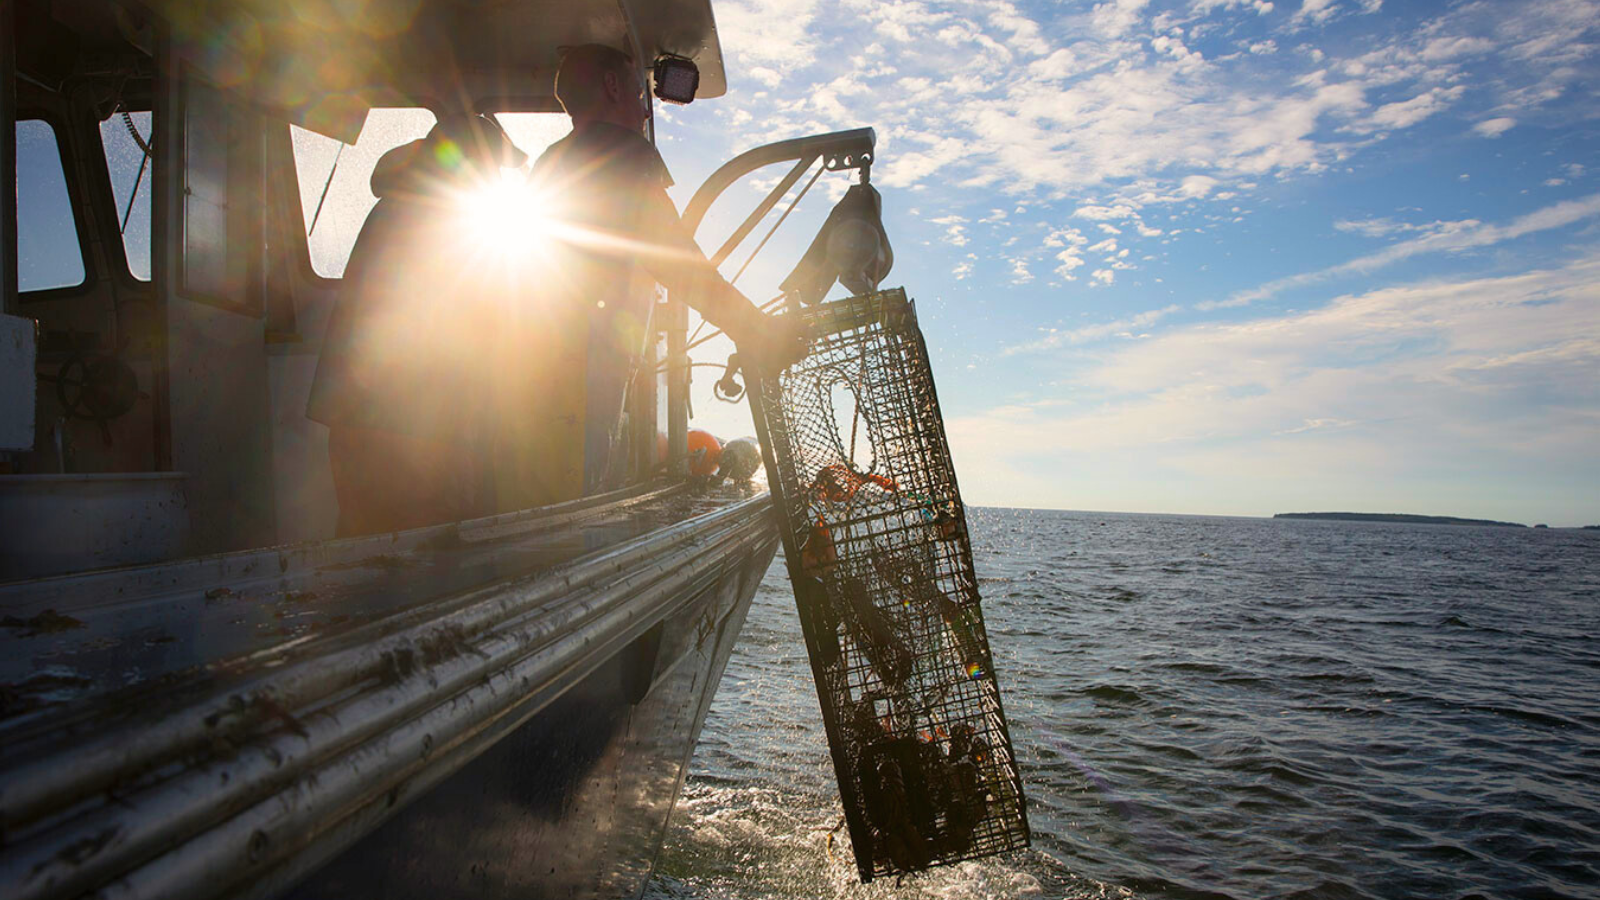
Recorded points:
1070,259
1042,104
1056,339
1479,324
1320,12
1030,106
1175,48
1203,7
768,35
1452,46
1059,64
1473,382
1315,12
1059,237
1382,227
1100,213
1115,18
1317,425
1493,128
1442,237
955,230
1023,32
1405,113
900,20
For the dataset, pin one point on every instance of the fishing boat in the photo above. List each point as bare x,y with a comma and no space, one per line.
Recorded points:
202,692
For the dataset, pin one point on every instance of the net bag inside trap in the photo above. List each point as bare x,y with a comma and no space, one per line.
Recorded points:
875,537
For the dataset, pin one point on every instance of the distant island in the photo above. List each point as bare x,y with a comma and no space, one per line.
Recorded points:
1397,517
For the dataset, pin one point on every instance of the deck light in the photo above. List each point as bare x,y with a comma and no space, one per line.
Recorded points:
677,79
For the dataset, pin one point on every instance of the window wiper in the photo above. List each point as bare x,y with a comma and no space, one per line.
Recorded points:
144,146
325,185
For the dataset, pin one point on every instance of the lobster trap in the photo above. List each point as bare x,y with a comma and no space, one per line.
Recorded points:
875,537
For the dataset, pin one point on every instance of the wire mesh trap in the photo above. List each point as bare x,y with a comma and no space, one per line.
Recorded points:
876,540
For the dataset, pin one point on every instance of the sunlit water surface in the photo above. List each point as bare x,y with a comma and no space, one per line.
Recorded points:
1215,707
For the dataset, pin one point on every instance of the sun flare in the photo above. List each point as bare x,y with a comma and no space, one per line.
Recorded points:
510,217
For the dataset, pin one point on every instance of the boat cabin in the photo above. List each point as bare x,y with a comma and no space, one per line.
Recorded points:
189,180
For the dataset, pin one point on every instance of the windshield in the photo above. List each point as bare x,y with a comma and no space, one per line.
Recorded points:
335,189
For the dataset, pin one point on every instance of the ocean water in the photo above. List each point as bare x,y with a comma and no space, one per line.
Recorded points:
1215,708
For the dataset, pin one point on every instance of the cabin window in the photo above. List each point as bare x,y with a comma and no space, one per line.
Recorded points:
48,252
125,141
335,178
335,181
533,132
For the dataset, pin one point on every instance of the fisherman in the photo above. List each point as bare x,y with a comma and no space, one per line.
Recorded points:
401,382
618,233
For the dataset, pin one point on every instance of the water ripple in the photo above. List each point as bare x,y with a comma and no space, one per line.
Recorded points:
1216,708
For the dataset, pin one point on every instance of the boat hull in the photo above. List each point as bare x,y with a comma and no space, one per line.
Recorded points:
495,708
574,802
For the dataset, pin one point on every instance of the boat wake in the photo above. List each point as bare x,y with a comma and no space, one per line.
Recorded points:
756,843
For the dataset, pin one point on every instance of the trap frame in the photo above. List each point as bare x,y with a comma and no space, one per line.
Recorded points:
876,543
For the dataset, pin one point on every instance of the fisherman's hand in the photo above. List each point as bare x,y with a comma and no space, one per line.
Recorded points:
778,343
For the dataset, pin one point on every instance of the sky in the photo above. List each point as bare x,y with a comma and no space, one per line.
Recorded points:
1229,257
1211,256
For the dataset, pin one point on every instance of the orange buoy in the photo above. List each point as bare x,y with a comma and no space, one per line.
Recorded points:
705,453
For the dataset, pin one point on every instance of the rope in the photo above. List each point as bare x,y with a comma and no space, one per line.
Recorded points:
792,204
765,307
855,416
770,232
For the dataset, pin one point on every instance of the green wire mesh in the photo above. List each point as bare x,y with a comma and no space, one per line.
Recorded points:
875,537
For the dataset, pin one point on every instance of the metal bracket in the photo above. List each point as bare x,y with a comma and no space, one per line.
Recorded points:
839,150
839,162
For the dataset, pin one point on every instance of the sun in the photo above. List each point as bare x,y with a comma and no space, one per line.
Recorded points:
509,218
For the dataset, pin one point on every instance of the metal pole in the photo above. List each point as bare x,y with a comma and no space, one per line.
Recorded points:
8,158
166,178
677,322
839,150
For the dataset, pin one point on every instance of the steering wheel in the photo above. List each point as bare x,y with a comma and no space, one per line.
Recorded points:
96,388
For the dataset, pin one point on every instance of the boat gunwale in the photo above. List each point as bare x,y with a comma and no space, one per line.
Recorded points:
70,591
